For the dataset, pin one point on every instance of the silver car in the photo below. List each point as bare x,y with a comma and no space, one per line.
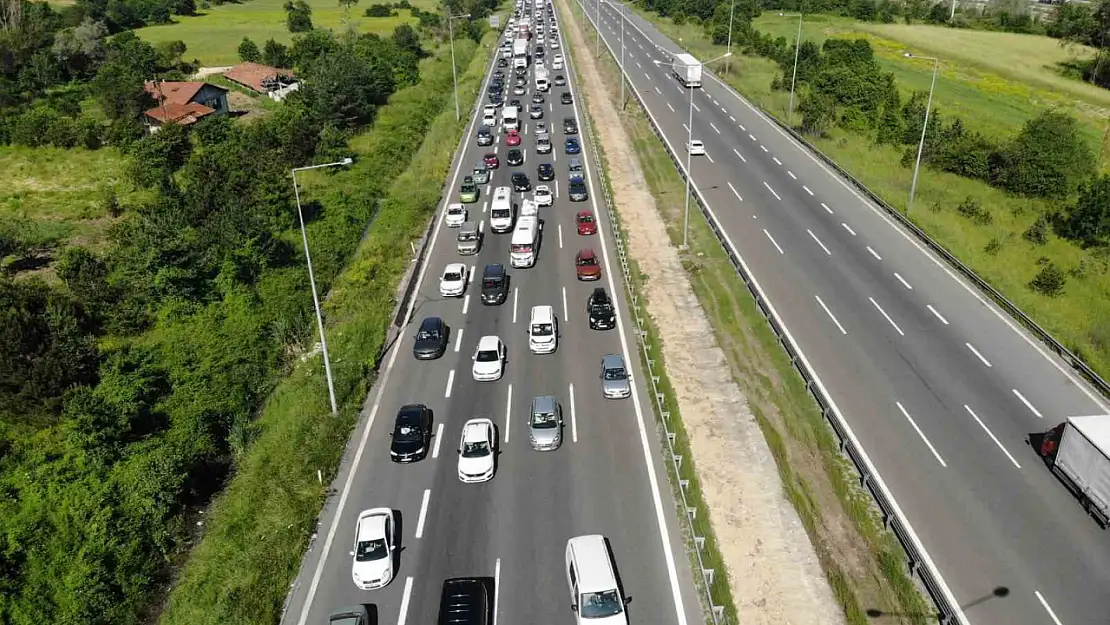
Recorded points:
616,383
545,424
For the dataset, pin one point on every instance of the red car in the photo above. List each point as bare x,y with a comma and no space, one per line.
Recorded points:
586,265
491,161
586,223
512,138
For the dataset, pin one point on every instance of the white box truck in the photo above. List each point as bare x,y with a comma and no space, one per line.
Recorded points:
520,53
687,70
1078,452
522,247
541,75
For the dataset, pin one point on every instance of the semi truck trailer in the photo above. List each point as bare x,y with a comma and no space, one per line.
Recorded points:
1078,452
687,70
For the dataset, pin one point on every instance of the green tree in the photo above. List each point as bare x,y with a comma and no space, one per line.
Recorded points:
818,113
1048,158
170,53
405,38
155,158
275,54
346,88
1088,219
298,16
248,51
81,48
118,87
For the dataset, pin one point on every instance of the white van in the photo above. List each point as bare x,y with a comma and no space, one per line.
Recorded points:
501,210
592,579
522,248
543,330
510,119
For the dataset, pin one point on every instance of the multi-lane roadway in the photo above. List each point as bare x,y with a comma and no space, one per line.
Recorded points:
607,478
940,386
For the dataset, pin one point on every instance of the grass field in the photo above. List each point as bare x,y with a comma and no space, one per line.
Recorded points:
993,101
862,561
213,36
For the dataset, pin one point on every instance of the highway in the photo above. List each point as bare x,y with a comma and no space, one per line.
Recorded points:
608,477
941,387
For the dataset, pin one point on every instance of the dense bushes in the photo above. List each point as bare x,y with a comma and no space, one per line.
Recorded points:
131,391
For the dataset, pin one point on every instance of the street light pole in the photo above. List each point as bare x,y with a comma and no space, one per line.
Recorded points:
597,28
312,278
952,16
924,126
624,74
731,11
454,72
797,51
689,163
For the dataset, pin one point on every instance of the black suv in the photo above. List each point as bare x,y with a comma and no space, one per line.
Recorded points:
600,310
577,190
465,601
545,172
502,62
412,431
485,137
495,285
565,98
520,182
514,157
431,339
570,126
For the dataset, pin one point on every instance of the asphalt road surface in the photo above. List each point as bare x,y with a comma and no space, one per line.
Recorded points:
941,387
607,478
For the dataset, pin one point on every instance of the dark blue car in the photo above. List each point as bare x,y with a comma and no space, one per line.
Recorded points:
571,145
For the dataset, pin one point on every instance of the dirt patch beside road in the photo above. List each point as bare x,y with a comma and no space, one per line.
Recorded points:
774,573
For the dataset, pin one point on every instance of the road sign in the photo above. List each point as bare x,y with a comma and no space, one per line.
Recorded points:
495,21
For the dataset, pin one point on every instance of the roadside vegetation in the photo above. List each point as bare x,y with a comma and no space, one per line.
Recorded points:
864,563
1013,179
153,297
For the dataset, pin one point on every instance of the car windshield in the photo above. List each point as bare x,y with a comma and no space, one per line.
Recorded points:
487,356
544,420
587,261
542,329
600,604
586,219
477,449
452,276
468,188
491,283
371,550
615,373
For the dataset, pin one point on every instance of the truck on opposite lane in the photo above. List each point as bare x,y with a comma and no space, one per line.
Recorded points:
1078,452
687,70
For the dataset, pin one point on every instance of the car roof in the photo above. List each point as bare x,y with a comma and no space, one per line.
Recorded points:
600,292
488,342
429,323
493,269
458,604
595,570
584,213
457,267
612,360
475,430
372,526
544,403
586,252
468,226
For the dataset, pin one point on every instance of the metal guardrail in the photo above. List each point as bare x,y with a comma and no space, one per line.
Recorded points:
658,396
919,563
1074,361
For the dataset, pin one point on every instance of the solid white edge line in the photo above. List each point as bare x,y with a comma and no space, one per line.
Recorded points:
818,243
978,355
406,596
937,314
450,383
991,434
349,482
1047,608
921,434
439,438
831,316
508,413
649,463
1027,403
423,512
496,588
849,433
883,312
773,241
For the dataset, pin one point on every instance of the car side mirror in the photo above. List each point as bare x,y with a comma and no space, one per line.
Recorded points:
352,553
573,608
627,600
458,452
394,548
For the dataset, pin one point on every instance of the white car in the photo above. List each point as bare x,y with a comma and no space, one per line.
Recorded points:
543,195
695,148
372,564
489,116
456,215
489,359
477,451
540,40
554,42
453,281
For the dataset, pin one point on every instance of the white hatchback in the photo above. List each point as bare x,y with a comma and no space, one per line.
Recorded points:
456,215
477,451
372,565
489,359
542,194
453,281
695,148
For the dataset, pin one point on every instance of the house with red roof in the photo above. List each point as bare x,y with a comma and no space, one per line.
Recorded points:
183,103
274,82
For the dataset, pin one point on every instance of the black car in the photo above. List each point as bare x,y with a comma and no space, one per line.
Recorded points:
521,71
570,126
521,183
495,285
496,99
514,157
560,80
599,308
431,339
545,172
565,98
485,137
537,97
495,87
502,62
577,191
353,615
412,431
571,145
465,601
515,102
